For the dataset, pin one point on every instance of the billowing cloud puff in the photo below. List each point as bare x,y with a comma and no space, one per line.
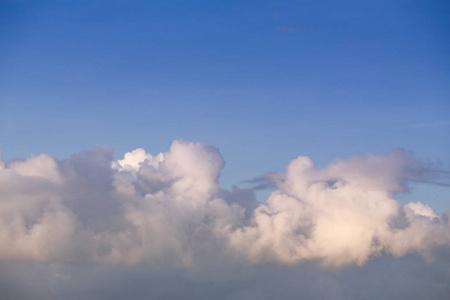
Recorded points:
168,210
341,214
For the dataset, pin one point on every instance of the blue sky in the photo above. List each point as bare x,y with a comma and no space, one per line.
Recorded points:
263,81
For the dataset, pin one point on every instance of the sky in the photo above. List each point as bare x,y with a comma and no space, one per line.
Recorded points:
239,89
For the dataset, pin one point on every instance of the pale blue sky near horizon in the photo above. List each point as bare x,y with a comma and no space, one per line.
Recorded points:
263,81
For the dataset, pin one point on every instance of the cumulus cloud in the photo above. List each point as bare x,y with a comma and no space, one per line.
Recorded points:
168,210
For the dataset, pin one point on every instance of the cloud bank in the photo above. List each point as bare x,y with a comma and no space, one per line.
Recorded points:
168,210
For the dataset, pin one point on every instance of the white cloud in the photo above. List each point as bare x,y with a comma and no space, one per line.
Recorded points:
167,210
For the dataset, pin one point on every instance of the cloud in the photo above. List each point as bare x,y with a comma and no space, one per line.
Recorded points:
287,29
168,211
431,124
286,26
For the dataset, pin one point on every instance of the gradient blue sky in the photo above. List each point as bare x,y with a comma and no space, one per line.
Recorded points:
263,81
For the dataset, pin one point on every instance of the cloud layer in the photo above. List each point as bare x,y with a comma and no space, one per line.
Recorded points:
168,210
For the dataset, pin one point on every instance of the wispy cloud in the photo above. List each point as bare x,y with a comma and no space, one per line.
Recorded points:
287,29
286,26
431,124
278,18
434,177
265,182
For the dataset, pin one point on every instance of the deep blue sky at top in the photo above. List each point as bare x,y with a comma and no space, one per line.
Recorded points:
263,81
